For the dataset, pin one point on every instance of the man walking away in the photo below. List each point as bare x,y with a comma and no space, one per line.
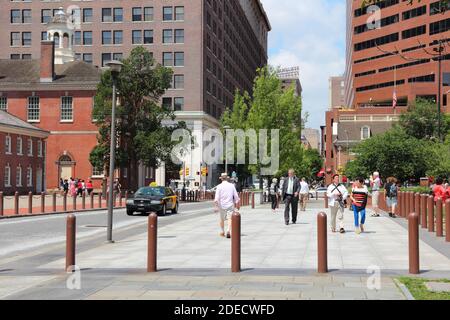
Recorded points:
304,194
375,183
273,194
226,201
391,190
291,189
337,194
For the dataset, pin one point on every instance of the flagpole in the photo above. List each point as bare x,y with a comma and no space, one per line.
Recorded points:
395,89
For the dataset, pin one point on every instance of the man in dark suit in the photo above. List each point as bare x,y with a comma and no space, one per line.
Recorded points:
291,190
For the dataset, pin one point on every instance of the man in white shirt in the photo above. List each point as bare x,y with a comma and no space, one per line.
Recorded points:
226,202
375,183
304,194
337,194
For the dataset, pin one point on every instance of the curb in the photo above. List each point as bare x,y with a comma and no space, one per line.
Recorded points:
54,213
404,290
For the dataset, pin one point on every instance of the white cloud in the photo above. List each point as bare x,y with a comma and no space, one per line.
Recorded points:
309,34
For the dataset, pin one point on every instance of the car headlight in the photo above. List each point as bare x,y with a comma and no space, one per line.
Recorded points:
156,202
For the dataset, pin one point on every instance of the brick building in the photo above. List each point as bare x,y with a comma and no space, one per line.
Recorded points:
213,46
22,150
388,64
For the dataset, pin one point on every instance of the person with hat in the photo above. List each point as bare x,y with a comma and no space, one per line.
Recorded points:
226,202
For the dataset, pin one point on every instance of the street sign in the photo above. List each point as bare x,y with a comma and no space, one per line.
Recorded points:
234,174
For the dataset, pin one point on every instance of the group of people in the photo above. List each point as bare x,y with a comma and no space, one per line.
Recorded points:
76,187
441,191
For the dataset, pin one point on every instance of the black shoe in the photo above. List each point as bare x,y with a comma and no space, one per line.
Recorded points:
228,235
390,215
287,223
394,216
294,222
342,230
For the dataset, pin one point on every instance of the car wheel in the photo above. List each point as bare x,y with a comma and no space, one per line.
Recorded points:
130,213
175,211
164,210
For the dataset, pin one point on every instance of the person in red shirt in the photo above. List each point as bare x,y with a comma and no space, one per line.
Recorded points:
439,190
89,187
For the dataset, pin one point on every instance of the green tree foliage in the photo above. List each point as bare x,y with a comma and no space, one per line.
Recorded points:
140,132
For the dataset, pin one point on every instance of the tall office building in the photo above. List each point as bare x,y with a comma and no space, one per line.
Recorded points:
337,92
213,46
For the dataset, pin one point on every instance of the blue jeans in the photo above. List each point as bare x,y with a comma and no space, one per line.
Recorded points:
356,214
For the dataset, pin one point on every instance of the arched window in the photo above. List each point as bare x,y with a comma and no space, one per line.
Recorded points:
8,144
65,159
19,146
365,133
7,179
56,39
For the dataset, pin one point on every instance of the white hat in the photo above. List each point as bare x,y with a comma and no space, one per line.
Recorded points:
224,176
274,180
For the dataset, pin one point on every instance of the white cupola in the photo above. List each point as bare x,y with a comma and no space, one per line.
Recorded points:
61,32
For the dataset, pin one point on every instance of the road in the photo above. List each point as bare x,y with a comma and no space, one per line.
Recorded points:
28,236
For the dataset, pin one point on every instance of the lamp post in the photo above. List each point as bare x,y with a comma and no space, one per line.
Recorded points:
115,67
226,148
439,50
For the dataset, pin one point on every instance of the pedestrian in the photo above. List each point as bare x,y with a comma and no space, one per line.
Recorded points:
439,191
375,183
66,186
291,190
117,186
89,186
61,184
226,202
359,196
273,194
79,188
391,193
72,187
304,194
337,195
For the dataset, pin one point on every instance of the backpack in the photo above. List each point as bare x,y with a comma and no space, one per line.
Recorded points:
393,191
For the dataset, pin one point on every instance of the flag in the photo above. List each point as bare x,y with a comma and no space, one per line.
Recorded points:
394,99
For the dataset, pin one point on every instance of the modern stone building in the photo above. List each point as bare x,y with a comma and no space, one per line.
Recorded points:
213,46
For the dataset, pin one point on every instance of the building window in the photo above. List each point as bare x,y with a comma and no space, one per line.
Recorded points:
167,14
46,15
19,176
178,81
179,59
118,37
106,37
4,103
445,80
106,57
118,14
118,56
77,38
167,59
87,37
26,16
148,36
178,104
439,26
40,149
66,109
87,15
137,37
167,103
15,39
30,147
179,36
15,56
26,38
44,36
137,14
19,146
29,176
107,15
167,36
365,133
33,109
179,13
8,144
7,178
97,172
15,16
87,57
148,14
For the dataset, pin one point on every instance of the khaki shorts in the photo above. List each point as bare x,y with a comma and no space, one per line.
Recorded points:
375,197
226,214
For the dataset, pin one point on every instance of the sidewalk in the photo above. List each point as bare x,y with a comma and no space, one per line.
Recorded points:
278,261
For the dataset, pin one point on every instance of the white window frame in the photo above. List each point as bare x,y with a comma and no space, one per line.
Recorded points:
31,107
64,108
7,177
40,148
19,150
368,133
95,173
29,176
19,176
8,144
30,147
4,103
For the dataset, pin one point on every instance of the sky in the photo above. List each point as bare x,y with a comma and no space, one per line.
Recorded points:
309,34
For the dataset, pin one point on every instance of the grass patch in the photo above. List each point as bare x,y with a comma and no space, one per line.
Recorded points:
417,288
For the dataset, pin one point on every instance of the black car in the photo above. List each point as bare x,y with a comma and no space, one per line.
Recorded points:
153,199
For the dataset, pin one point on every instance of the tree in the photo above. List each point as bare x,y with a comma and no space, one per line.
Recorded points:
140,132
440,152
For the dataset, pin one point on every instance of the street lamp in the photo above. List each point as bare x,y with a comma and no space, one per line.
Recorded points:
226,149
439,50
115,67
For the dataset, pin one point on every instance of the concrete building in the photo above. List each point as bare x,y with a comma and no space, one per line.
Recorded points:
23,155
337,92
213,46
313,137
389,65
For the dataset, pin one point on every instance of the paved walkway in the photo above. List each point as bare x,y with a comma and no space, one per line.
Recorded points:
279,262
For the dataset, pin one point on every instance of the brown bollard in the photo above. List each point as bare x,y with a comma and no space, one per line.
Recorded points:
100,200
74,202
322,243
447,220
92,199
326,202
253,200
83,200
16,203
402,204
120,199
70,241
407,205
423,211
1,203
411,203
30,202
439,219
399,205
42,202
430,211
417,206
236,242
152,243
65,202
54,201
413,235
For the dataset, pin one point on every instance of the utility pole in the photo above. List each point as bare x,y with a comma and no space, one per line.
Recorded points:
439,50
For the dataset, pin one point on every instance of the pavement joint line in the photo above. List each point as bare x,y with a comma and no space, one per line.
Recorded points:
404,290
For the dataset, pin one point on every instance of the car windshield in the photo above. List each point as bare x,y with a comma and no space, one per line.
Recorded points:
158,191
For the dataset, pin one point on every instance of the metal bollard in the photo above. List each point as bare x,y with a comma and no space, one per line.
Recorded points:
70,241
30,202
417,206
92,199
54,202
65,202
152,243
399,205
236,243
439,219
74,202
322,243
83,200
430,209
411,203
447,220
253,200
100,200
423,211
413,238
326,202
1,203
42,202
407,205
16,203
